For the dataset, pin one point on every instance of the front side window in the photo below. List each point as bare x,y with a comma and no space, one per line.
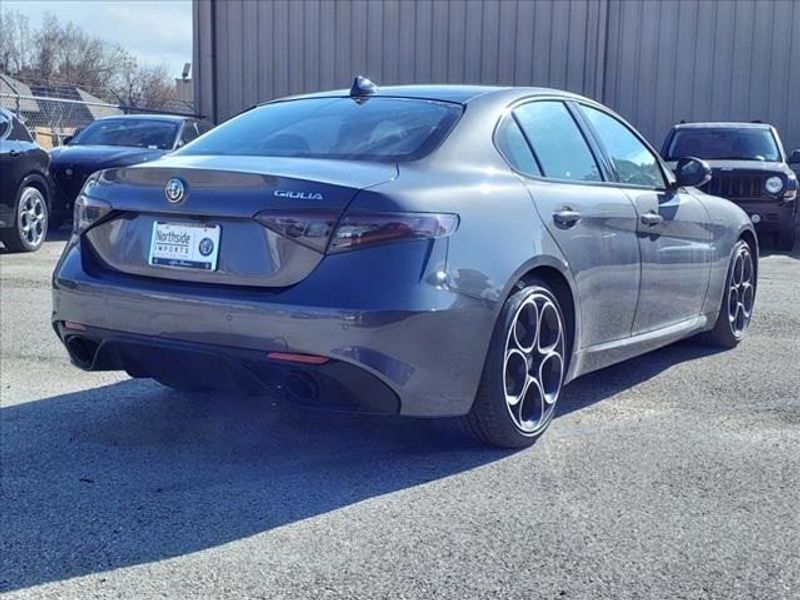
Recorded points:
514,148
134,133
381,129
724,143
634,163
558,143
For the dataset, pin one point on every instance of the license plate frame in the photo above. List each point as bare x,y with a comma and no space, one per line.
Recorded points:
192,246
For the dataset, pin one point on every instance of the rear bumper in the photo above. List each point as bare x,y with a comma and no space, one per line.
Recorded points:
775,216
424,343
333,385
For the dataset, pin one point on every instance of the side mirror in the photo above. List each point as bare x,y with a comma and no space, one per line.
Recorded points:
67,140
794,157
692,172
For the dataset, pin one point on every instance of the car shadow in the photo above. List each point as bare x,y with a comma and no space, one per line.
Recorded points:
59,235
132,473
607,382
766,247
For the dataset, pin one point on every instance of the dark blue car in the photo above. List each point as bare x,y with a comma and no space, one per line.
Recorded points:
114,142
424,251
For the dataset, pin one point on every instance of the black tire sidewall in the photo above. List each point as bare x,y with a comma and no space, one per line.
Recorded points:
723,331
490,403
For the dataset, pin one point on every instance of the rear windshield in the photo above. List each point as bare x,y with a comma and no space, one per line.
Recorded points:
379,129
719,143
134,133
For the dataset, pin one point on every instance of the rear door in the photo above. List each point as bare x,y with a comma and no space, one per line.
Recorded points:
674,238
593,223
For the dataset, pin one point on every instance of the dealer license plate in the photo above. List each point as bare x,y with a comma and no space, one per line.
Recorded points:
188,246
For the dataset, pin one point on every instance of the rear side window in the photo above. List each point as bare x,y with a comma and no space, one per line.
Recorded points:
5,123
514,148
19,132
188,133
560,147
382,129
634,163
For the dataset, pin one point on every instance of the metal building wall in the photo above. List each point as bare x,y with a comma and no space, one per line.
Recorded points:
267,49
703,60
654,62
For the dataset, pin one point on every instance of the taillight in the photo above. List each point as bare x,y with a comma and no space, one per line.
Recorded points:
311,227
87,210
359,229
318,229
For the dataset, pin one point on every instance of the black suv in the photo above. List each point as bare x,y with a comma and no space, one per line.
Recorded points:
750,168
24,187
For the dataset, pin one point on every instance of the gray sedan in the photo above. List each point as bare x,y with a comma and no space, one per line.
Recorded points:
427,251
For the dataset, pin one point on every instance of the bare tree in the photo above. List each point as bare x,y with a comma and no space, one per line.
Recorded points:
64,54
16,42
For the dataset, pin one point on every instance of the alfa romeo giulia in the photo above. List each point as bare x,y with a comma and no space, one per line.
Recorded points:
427,251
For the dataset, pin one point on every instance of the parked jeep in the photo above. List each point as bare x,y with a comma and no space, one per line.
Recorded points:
750,168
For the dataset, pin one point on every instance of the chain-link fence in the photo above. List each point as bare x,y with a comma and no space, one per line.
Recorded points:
52,119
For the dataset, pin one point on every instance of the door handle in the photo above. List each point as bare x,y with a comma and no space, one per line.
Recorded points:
566,217
652,218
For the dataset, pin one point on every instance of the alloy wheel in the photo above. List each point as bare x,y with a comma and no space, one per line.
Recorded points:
32,217
533,367
741,291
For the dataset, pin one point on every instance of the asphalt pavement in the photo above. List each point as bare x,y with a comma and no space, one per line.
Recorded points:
674,475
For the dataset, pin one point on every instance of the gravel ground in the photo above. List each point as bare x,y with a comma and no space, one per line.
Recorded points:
675,475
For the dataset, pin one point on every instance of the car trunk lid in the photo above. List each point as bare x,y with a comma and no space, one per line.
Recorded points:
223,194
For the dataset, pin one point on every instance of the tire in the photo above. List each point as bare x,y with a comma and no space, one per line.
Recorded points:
30,221
524,371
736,308
785,240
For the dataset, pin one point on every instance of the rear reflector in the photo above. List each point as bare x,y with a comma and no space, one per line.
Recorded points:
306,359
74,326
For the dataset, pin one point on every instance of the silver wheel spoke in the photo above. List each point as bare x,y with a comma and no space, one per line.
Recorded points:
534,363
741,292
32,216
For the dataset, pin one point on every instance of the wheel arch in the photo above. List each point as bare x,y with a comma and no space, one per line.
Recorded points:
557,276
41,183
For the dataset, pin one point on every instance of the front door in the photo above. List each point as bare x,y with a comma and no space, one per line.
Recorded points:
676,257
674,242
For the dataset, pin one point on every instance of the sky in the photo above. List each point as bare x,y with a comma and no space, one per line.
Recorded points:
155,31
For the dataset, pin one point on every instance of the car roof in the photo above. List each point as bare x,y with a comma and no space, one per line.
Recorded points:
148,117
461,94
723,125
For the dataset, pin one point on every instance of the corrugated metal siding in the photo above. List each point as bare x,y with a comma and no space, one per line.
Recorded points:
654,62
267,49
701,61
